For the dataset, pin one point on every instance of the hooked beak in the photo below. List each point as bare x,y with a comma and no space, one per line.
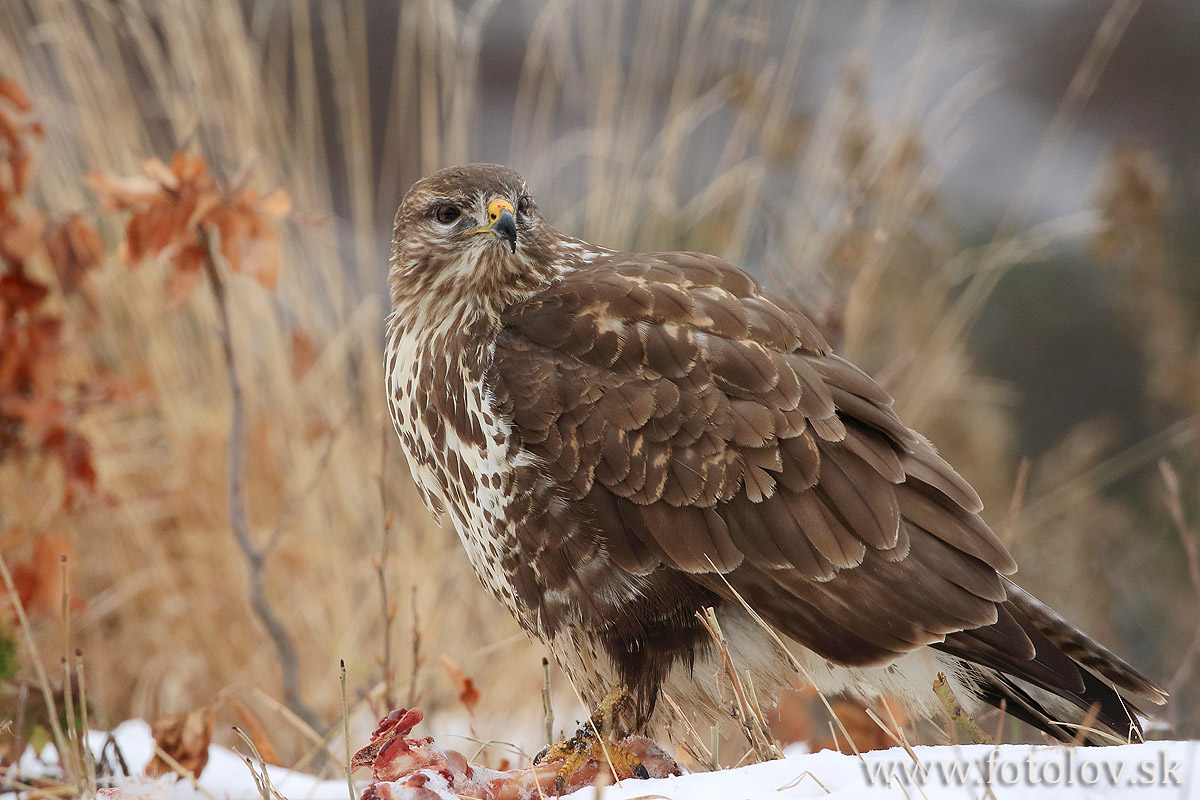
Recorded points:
503,221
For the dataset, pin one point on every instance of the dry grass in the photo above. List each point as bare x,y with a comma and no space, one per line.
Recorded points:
841,209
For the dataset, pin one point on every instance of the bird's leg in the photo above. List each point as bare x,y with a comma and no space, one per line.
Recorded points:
596,740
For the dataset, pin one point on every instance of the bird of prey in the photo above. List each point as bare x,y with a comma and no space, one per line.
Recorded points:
622,440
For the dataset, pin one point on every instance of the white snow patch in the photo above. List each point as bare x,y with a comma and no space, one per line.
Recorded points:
1149,771
226,777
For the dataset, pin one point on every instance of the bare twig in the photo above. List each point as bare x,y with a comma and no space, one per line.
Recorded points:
60,741
72,760
285,648
791,657
547,705
258,769
745,709
346,729
416,652
387,607
89,758
183,772
957,713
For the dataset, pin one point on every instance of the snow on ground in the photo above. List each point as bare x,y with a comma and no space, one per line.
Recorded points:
226,775
1150,771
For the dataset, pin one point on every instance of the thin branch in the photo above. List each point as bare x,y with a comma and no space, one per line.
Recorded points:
255,559
387,606
416,652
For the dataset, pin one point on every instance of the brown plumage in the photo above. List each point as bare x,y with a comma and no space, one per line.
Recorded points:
621,439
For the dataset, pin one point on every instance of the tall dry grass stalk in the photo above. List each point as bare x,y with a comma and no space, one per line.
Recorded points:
641,125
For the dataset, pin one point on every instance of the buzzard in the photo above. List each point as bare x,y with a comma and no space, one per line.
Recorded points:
624,439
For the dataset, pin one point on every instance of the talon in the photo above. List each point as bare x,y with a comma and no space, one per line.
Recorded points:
596,741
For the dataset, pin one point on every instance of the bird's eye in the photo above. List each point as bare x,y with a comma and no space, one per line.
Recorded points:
524,205
446,214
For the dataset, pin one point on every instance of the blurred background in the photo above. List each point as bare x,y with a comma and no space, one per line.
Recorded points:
990,207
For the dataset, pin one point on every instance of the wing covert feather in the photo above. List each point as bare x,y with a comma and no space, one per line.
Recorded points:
702,425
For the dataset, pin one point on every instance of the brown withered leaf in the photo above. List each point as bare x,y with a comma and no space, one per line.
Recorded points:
21,293
20,161
10,132
11,91
75,248
262,257
18,238
174,203
29,357
167,221
255,730
186,167
38,581
74,452
277,204
468,695
249,243
160,173
185,738
39,414
123,194
304,353
187,277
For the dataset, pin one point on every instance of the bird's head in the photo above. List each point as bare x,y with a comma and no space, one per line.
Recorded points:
468,237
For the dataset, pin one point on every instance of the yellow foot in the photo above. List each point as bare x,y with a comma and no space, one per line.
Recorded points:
596,740
585,747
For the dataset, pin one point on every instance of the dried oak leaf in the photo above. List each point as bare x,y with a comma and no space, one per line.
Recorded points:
39,581
10,131
11,91
29,356
468,694
18,238
118,193
170,206
75,248
19,292
20,161
74,452
255,730
188,275
249,242
304,353
185,738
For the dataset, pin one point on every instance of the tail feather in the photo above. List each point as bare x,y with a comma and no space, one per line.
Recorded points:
1032,659
1082,648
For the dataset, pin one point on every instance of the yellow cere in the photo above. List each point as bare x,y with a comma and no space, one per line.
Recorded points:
498,205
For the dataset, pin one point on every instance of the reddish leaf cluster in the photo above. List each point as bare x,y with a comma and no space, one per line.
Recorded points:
184,738
468,693
39,581
177,207
14,135
33,412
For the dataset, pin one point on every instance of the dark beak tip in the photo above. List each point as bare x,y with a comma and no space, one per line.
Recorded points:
506,228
